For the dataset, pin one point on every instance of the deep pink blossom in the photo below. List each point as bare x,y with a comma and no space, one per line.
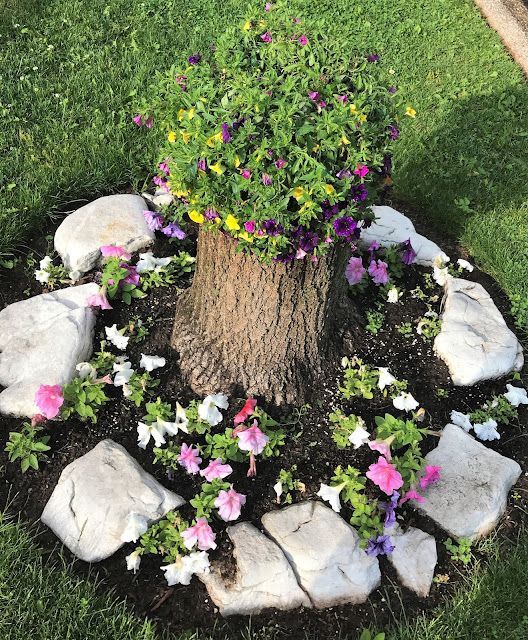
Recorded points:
361,170
280,163
431,476
252,439
266,37
247,409
385,476
138,120
412,494
303,40
355,271
189,458
110,251
343,98
250,226
133,275
246,174
148,122
165,168
200,533
215,469
98,300
266,179
378,271
229,504
49,400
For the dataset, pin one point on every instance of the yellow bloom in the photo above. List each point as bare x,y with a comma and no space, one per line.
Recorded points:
316,148
244,235
236,162
353,108
172,136
344,140
298,193
181,113
214,139
186,136
196,217
232,223
306,206
217,168
362,118
410,112
247,25
190,115
180,193
329,189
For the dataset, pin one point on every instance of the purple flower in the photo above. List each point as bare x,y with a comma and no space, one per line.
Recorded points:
390,510
392,89
238,123
308,241
355,271
226,136
380,546
408,255
344,174
343,98
148,122
329,210
246,174
272,227
211,214
266,179
394,132
266,37
195,58
374,246
313,95
172,230
202,164
154,220
358,192
284,258
344,226
378,271
160,182
280,163
138,120
372,57
303,41
268,6
133,275
165,168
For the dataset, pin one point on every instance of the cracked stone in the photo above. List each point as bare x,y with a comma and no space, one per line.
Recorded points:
392,227
116,220
474,340
471,495
414,559
42,339
324,552
264,578
89,508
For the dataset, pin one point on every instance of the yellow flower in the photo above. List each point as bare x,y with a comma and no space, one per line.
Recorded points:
298,193
186,136
180,193
217,168
236,162
190,115
244,235
410,112
232,223
316,148
329,189
196,217
214,139
181,113
353,108
306,206
172,136
362,118
344,140
247,25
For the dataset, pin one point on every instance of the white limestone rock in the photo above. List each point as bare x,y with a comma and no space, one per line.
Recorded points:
474,340
414,558
42,340
324,553
471,494
264,578
392,227
89,508
116,220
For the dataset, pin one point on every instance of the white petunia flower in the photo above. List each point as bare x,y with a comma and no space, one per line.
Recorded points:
278,490
42,274
441,275
116,337
487,430
516,395
461,420
171,428
147,431
181,571
393,295
135,527
127,391
86,371
405,402
133,561
149,363
147,262
208,409
359,437
385,378
441,260
331,495
464,264
123,371
181,418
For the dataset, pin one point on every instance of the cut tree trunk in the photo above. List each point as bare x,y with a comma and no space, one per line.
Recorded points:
248,328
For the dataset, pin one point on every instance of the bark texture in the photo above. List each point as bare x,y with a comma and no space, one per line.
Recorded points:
244,327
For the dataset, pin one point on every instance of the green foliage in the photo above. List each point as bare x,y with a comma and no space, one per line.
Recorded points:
103,361
405,329
83,398
196,424
392,256
429,327
180,265
139,328
375,320
519,310
289,483
113,276
459,551
402,432
167,455
141,386
409,463
157,409
359,380
497,408
343,426
25,446
442,393
164,538
204,501
57,274
367,634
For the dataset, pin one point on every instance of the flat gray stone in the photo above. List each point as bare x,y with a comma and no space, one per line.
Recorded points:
324,553
471,494
264,578
392,227
42,339
112,220
414,559
474,340
89,508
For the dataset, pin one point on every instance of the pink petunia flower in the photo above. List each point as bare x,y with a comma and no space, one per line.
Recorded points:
355,271
189,458
431,476
229,504
49,400
148,122
303,40
361,170
280,163
266,37
382,447
412,494
138,120
200,533
379,271
98,300
250,226
246,174
252,439
215,469
111,251
385,476
249,406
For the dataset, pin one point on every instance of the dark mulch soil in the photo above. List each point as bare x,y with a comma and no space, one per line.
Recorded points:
309,446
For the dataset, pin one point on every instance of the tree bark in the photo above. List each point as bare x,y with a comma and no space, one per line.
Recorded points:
248,328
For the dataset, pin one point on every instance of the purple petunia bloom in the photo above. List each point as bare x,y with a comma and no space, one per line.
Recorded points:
161,182
280,163
313,95
133,275
358,192
373,57
343,98
250,226
154,220
226,136
211,214
172,230
238,123
408,255
165,168
195,58
380,546
329,210
284,258
344,174
373,246
246,174
355,271
345,226
392,89
149,122
272,227
394,132
308,241
137,120
202,164
390,510
266,179
378,271
266,37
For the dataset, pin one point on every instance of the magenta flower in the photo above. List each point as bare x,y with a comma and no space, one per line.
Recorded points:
189,458
313,95
215,469
355,271
200,533
268,6
194,59
345,226
381,446
378,271
138,120
98,300
250,226
251,403
266,179
172,230
161,182
266,37
165,168
385,476
432,476
280,163
361,170
109,251
343,98
148,122
412,494
154,220
246,174
133,275
49,400
226,136
229,504
303,41
372,57
252,439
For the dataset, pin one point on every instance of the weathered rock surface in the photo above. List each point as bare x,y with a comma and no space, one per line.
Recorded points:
324,553
116,220
414,559
264,577
474,341
42,339
392,227
89,507
471,495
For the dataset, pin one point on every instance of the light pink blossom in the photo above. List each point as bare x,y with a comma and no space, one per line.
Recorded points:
355,271
246,411
431,476
138,120
215,469
382,447
200,533
110,251
98,300
49,400
252,439
378,271
189,458
412,494
229,504
385,476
